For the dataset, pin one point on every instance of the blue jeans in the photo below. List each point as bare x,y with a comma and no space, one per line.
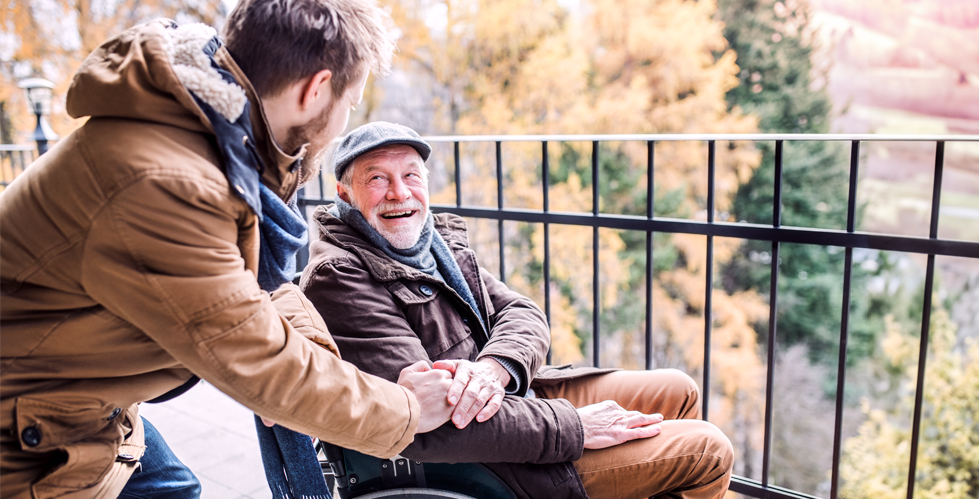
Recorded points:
161,475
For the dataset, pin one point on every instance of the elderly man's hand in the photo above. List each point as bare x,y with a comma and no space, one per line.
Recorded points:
607,424
430,387
478,388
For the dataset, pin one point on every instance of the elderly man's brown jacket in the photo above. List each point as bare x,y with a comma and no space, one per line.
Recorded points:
128,264
385,315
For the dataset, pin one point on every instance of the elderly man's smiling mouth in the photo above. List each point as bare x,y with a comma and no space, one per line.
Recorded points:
398,214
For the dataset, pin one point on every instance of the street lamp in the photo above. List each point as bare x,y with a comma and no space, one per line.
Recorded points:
38,92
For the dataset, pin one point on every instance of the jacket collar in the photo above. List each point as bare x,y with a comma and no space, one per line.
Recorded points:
282,171
381,267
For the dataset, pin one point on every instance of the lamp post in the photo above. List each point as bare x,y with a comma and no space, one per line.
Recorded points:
38,92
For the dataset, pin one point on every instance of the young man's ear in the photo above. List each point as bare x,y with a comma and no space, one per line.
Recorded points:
317,87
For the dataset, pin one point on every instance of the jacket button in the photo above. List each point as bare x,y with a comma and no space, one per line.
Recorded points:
115,412
125,458
427,291
31,436
465,320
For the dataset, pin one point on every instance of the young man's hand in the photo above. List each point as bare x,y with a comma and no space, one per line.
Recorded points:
607,424
430,387
477,390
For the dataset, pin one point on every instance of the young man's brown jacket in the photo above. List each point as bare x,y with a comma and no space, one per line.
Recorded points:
128,264
385,316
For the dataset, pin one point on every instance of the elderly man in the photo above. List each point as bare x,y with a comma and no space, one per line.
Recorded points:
151,246
397,284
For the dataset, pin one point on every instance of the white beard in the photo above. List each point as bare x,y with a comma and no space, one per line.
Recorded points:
404,237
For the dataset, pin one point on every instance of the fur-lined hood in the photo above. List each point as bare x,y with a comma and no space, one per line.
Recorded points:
147,73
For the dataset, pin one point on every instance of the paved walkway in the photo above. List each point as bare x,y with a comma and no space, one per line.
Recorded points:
215,437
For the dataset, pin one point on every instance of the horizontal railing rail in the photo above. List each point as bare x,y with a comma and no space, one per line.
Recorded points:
775,233
679,137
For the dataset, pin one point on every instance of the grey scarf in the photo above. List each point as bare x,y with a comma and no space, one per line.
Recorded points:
430,253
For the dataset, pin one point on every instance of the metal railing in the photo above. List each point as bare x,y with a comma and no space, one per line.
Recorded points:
776,233
13,160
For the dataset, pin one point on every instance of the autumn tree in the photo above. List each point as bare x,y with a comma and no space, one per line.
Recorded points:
607,66
50,40
776,46
875,462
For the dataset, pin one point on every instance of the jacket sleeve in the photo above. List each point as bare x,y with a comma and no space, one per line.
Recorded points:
374,334
163,256
518,330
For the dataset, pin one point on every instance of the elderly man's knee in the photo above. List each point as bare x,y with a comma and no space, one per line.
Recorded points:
717,444
680,383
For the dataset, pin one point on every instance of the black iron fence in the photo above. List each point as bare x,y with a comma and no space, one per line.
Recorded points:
13,160
849,239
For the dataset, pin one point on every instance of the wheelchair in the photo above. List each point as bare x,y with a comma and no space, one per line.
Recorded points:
360,476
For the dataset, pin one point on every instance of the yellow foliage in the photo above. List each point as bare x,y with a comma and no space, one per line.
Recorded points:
53,38
875,463
609,66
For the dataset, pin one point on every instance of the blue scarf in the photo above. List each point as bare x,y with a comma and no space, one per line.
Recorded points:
282,228
282,232
429,253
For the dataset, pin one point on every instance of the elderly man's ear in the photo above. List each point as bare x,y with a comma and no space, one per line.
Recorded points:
342,192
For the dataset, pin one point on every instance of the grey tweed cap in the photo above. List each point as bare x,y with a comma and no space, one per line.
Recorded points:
372,136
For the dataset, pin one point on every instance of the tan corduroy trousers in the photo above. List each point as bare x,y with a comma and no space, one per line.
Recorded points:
689,459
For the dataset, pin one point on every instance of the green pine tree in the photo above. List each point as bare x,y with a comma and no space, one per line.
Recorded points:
775,48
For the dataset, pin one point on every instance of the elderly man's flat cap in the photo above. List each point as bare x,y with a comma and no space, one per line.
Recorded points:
368,137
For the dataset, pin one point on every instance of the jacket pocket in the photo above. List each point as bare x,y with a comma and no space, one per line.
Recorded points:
86,434
430,311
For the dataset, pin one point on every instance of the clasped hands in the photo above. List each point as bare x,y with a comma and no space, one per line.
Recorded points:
476,390
461,390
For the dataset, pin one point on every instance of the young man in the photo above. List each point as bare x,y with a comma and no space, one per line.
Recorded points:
152,246
396,284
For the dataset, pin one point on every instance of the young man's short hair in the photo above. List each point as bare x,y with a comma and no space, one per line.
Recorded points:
278,42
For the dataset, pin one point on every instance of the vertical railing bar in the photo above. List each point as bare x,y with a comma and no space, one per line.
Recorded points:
319,183
708,284
596,304
852,186
711,181
841,370
777,215
595,177
777,197
937,187
648,336
500,207
845,320
458,176
921,374
547,239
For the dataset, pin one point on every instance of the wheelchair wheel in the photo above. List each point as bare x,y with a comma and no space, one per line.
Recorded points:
415,494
